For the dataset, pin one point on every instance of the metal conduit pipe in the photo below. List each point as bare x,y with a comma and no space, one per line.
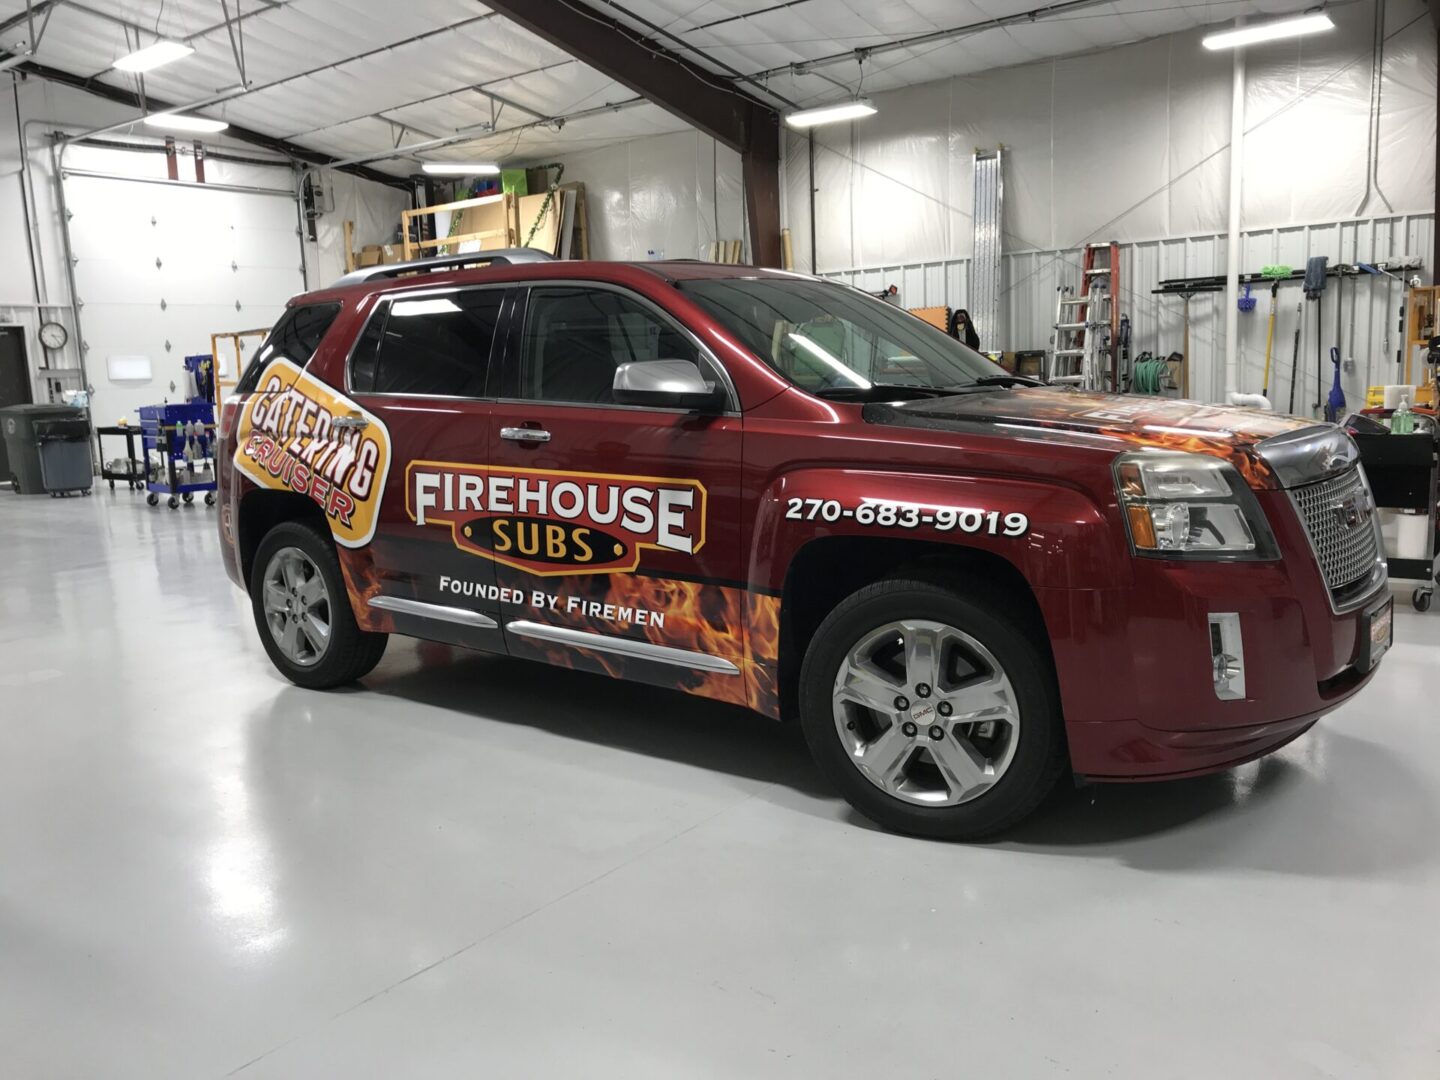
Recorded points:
1232,252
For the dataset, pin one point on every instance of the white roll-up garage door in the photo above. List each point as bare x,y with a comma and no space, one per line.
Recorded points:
162,266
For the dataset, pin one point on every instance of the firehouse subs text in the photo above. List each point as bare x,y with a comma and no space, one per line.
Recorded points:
550,523
287,440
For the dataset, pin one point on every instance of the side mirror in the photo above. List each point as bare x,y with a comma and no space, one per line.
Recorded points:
666,384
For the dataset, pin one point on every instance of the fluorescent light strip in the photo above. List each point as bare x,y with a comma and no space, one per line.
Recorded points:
153,56
181,122
831,114
460,168
1273,31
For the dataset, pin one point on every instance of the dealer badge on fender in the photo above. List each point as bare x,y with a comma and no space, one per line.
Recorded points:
551,523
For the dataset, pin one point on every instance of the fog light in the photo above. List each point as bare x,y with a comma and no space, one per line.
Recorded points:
1227,656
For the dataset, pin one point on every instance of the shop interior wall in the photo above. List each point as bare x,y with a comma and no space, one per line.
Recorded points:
218,260
1131,144
667,196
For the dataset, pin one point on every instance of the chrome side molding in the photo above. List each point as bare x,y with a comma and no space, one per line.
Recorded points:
440,612
637,650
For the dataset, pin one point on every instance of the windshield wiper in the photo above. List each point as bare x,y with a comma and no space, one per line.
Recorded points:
1004,380
909,389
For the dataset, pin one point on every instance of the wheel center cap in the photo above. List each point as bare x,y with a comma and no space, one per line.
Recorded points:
922,713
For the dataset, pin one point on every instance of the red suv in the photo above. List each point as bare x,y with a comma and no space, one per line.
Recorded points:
780,492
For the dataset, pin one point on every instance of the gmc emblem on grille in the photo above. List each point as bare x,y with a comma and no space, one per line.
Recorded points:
1353,511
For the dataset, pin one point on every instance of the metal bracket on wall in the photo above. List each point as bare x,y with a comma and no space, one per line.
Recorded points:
989,204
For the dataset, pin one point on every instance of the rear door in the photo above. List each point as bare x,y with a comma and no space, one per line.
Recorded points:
614,531
422,365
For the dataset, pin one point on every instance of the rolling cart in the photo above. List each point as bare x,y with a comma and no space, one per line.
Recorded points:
1404,474
133,473
182,438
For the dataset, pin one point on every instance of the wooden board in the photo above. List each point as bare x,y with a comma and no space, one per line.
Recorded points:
539,221
938,317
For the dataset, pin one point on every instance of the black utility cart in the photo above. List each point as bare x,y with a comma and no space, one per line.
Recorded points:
1404,472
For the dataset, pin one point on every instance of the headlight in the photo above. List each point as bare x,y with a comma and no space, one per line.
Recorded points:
1180,506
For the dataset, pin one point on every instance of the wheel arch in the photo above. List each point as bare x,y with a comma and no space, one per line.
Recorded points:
825,570
261,509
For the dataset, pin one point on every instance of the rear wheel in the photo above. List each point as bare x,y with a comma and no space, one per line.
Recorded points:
303,612
932,709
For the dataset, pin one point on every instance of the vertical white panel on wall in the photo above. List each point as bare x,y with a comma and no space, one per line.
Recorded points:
159,268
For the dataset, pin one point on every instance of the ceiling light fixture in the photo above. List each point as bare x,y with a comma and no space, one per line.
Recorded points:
831,114
152,56
180,122
1312,23
460,168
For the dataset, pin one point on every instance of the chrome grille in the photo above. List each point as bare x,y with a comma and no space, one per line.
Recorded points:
1346,553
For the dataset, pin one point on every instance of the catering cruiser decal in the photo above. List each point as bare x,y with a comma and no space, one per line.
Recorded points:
552,523
297,434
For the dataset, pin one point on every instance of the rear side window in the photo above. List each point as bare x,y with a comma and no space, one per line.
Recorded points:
432,345
295,338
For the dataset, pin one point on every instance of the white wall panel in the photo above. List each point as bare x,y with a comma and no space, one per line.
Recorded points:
666,193
1131,142
158,271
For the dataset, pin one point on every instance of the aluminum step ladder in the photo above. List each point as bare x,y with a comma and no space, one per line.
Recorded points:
1087,325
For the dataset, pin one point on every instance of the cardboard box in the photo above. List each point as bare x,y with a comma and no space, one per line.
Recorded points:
370,255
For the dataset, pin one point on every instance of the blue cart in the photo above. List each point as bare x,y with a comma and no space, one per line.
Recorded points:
182,438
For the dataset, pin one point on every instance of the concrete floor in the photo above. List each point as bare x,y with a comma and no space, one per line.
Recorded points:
481,867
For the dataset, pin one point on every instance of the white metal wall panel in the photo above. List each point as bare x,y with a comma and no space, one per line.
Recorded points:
219,260
1359,314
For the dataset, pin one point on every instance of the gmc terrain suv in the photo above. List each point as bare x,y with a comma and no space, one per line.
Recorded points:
780,492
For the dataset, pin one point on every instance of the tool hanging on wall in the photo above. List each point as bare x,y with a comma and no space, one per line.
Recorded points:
1269,339
1314,290
1335,403
1295,357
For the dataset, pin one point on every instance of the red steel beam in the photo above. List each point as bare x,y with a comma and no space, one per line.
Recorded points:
701,98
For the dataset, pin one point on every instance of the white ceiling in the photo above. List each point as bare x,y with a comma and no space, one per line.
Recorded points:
359,77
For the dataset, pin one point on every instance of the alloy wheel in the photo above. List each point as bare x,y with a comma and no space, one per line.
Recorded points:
926,712
297,606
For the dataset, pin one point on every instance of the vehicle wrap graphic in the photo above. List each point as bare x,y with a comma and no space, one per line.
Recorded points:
286,439
551,523
1218,430
714,620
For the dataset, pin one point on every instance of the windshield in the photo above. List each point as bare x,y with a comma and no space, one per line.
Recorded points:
836,341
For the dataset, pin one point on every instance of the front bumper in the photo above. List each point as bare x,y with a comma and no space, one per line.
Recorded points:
1136,678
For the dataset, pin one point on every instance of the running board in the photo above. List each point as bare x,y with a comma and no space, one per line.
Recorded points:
399,605
636,650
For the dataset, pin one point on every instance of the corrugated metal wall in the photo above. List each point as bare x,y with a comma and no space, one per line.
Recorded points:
1359,315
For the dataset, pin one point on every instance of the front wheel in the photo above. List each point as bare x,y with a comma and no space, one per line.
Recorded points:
932,709
303,612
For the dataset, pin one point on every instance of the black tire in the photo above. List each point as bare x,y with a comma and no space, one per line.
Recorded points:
189,497
15,484
1420,599
989,617
210,498
153,499
352,653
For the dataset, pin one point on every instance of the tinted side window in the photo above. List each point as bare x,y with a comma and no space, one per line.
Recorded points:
576,337
295,337
437,344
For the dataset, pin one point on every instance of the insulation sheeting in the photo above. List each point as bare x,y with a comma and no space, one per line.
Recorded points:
671,195
1132,143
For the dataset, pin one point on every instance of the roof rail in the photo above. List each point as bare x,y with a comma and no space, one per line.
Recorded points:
501,257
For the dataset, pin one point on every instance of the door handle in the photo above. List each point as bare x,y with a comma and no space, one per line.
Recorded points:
349,423
525,434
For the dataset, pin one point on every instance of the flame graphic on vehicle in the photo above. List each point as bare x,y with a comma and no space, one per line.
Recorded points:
712,620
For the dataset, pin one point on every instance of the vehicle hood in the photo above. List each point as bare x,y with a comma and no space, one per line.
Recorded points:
1130,421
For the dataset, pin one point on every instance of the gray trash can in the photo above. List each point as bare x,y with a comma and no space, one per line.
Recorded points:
65,455
17,424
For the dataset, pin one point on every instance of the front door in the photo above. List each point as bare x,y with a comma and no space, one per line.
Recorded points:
421,367
615,531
